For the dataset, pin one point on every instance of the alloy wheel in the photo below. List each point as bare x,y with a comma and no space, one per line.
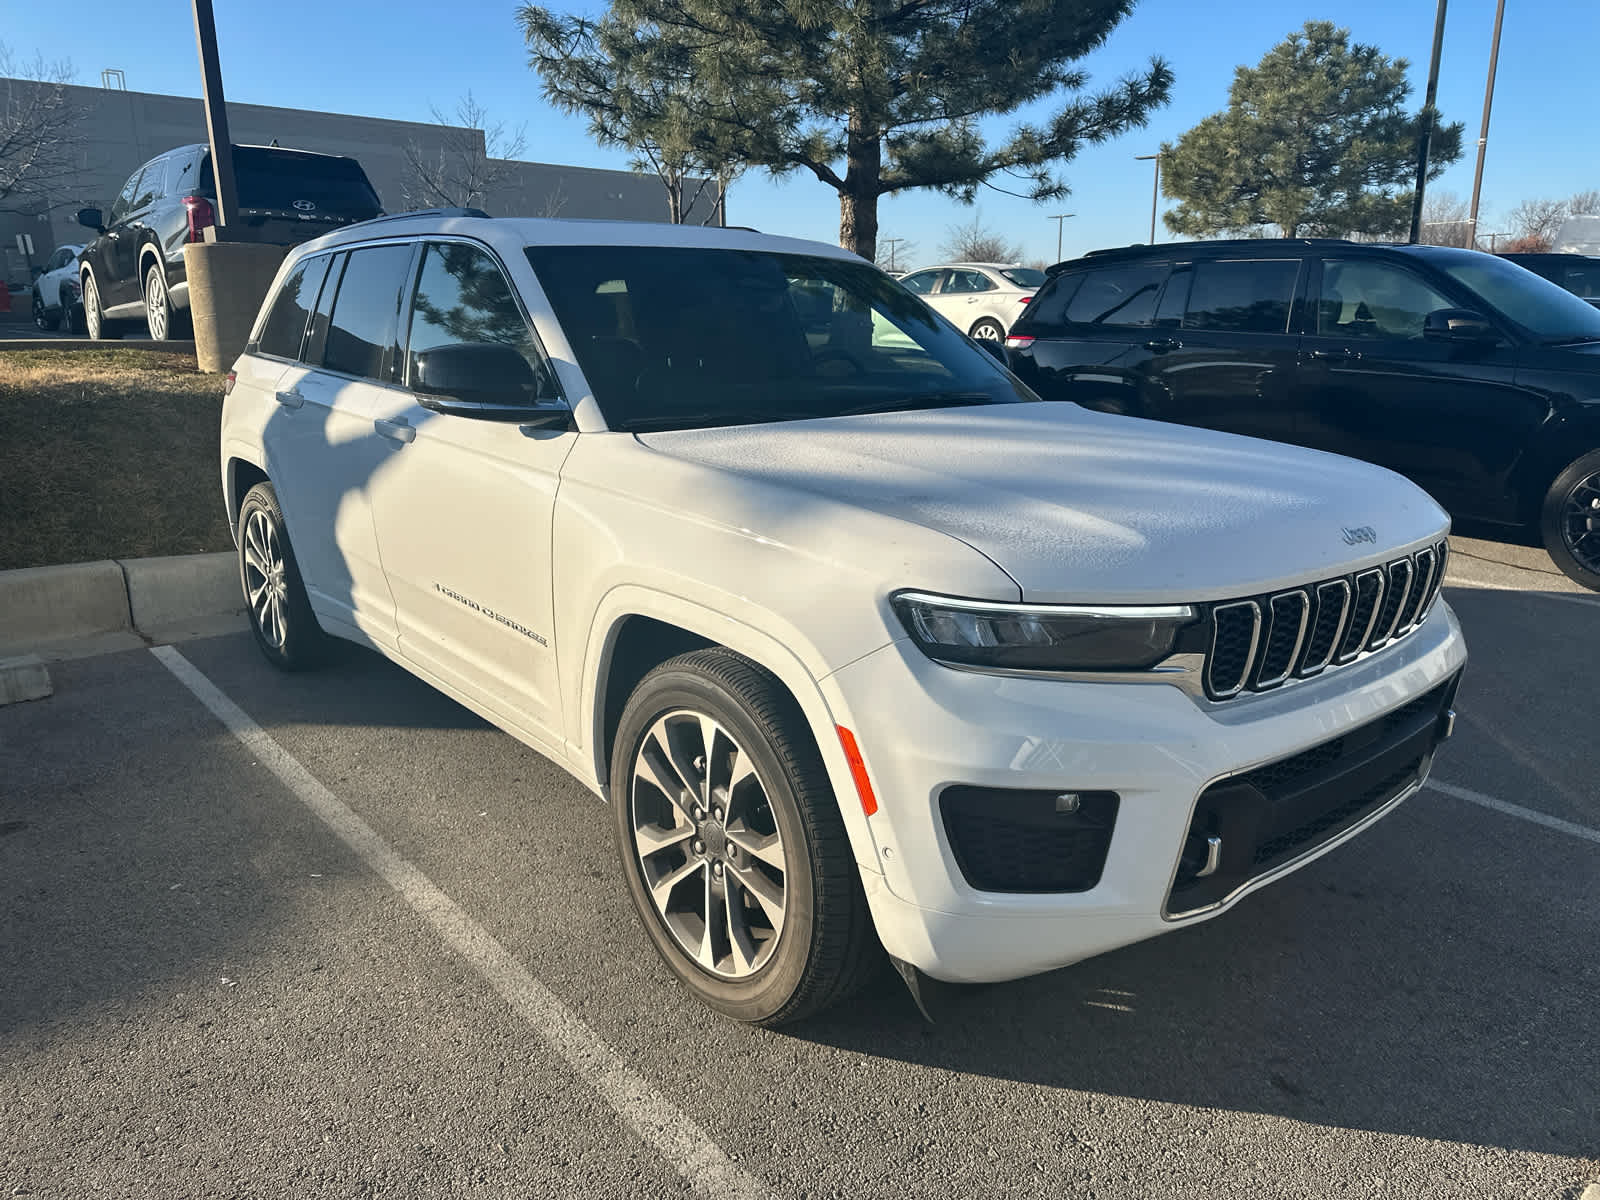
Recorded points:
39,318
91,307
265,587
708,846
1580,522
155,304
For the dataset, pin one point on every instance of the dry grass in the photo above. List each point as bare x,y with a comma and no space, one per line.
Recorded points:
107,454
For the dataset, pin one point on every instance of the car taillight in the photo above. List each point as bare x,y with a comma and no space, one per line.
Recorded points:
200,214
1024,299
1018,341
227,384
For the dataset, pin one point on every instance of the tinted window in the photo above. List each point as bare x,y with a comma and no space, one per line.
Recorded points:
1118,296
286,323
1544,309
968,281
1370,299
278,180
1582,281
120,206
1049,306
317,335
361,330
181,175
679,337
1025,277
921,283
1242,297
150,184
462,297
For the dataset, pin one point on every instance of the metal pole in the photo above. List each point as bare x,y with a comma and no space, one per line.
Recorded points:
205,33
893,242
1483,135
1155,191
1058,218
1425,140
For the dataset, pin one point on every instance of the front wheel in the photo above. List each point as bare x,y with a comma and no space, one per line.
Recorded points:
988,330
1570,521
95,322
734,851
285,628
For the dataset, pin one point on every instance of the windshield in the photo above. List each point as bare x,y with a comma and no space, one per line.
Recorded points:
1026,277
1550,313
683,338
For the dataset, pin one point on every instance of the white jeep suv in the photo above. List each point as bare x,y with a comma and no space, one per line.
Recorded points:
863,643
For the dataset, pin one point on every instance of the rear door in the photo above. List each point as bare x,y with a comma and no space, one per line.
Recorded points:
1223,354
322,446
464,507
965,297
1447,415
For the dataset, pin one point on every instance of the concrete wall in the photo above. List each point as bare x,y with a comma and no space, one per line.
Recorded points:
123,129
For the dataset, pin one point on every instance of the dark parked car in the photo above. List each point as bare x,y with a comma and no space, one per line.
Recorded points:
1578,273
1475,378
134,268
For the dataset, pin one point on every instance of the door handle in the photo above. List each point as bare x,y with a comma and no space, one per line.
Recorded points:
289,399
1335,355
396,430
1162,345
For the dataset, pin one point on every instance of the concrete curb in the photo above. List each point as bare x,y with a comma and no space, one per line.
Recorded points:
116,603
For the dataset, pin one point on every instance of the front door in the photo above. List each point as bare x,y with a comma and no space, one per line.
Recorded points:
1446,414
464,507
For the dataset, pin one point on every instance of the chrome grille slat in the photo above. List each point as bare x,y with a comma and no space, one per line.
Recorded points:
1263,642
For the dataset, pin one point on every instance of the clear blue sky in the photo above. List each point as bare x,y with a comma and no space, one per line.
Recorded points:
394,58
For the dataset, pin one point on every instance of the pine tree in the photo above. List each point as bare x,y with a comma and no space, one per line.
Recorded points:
870,96
1315,140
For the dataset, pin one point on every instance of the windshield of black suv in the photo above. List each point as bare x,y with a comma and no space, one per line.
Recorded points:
1548,312
1027,277
686,337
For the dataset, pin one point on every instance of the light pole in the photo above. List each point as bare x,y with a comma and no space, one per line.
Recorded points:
1058,218
893,242
1425,140
1155,192
1483,133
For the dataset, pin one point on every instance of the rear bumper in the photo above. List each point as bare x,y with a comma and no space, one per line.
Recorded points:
1172,762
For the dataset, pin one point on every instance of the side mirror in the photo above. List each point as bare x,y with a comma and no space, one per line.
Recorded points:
1458,325
488,381
93,218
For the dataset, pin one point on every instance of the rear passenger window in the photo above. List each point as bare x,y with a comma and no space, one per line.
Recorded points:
286,323
1118,296
1250,296
361,331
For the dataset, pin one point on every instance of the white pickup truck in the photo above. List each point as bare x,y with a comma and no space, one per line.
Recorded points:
865,645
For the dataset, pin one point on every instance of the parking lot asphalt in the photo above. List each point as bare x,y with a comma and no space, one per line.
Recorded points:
208,992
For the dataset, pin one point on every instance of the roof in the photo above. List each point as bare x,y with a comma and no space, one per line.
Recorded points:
1265,247
513,233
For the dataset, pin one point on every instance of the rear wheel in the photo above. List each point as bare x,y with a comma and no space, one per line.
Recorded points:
285,628
735,855
988,330
42,318
1570,521
95,322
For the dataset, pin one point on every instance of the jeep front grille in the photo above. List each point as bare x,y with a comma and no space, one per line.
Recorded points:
1262,642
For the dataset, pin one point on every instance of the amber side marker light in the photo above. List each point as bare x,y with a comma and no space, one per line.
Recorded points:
858,770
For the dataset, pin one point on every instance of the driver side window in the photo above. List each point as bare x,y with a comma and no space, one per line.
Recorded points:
124,200
1374,300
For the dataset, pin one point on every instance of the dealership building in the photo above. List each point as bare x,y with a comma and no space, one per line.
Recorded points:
120,130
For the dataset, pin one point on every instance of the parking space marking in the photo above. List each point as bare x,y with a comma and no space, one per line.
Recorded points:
655,1119
1516,810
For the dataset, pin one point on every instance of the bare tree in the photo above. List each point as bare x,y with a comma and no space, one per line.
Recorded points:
39,132
976,242
1584,203
1446,220
1536,222
469,164
894,253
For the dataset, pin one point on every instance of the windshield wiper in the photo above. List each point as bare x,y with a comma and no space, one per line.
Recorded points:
921,400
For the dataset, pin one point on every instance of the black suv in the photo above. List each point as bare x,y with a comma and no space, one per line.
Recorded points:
135,266
1475,378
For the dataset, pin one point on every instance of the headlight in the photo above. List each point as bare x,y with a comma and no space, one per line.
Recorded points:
1042,637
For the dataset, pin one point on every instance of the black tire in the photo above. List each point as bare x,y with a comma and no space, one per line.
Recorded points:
286,631
1569,522
95,323
41,317
826,948
987,329
75,321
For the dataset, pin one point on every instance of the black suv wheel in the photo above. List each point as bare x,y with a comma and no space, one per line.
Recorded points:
1570,522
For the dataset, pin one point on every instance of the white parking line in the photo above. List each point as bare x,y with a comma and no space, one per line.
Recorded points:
1516,810
657,1122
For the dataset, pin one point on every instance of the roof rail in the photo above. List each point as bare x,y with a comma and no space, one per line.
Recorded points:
423,212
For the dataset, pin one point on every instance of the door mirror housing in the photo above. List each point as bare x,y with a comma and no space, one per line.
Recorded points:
93,218
1458,325
488,381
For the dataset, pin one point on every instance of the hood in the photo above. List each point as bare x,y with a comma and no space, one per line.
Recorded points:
1084,506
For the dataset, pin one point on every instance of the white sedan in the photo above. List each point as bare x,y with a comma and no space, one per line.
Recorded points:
983,299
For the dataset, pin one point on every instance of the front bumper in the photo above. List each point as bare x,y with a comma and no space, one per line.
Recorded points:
923,728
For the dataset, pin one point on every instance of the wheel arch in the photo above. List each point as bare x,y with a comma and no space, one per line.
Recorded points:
238,477
1559,446
636,629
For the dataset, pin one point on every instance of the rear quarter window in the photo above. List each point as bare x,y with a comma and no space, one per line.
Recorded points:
1118,296
1047,312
